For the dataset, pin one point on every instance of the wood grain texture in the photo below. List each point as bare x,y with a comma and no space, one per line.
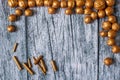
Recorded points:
75,46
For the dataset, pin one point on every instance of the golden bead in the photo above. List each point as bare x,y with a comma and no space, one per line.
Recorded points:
51,10
109,11
28,12
101,14
71,4
99,4
48,2
115,49
110,42
80,3
31,3
79,10
23,4
11,28
108,61
18,12
39,2
56,4
103,33
111,34
106,25
12,3
68,11
110,2
94,15
87,19
12,17
63,4
112,19
115,26
87,11
89,3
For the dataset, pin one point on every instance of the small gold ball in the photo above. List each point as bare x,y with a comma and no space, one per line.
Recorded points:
31,3
99,4
115,49
115,26
79,10
68,11
108,61
80,3
112,19
110,42
71,4
11,28
51,10
63,4
103,33
28,12
110,2
109,11
39,2
12,3
89,3
56,4
87,19
101,14
23,4
94,15
12,17
87,11
112,34
18,12
48,3
106,25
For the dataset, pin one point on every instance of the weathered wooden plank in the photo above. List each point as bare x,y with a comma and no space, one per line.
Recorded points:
8,69
112,72
67,40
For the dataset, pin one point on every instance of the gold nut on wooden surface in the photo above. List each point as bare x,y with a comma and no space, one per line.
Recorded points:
39,3
23,4
15,59
63,4
106,25
115,49
87,19
28,69
87,11
79,10
68,11
101,13
31,3
103,33
89,4
11,28
18,12
115,26
28,12
15,47
55,4
48,3
94,15
110,42
99,4
51,10
80,3
54,66
12,3
12,17
110,2
112,34
112,19
108,61
71,4
109,11
29,63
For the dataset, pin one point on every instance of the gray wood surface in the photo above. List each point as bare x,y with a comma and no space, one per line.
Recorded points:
75,46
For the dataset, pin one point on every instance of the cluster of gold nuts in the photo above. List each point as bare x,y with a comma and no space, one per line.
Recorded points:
93,9
37,61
